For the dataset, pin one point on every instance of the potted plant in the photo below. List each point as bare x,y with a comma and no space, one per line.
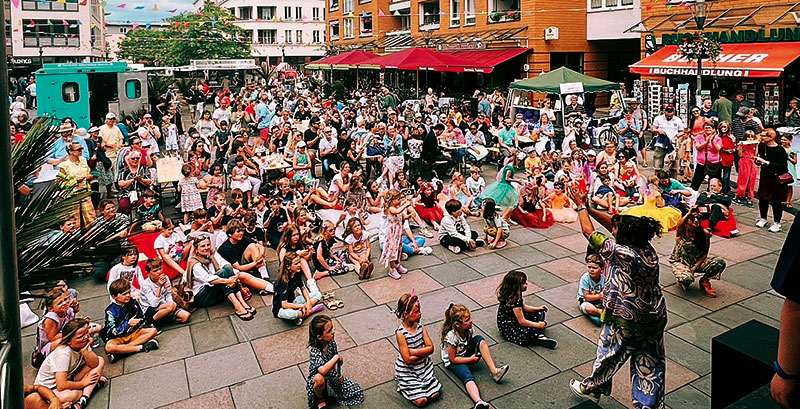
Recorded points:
494,17
696,46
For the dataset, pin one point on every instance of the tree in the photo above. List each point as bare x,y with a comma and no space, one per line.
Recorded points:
207,34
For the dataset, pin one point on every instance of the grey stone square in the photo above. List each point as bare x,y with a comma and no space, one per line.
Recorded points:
564,297
527,236
435,303
369,324
172,345
386,396
171,381
572,350
550,393
735,315
281,389
213,335
528,255
490,264
750,275
262,325
683,308
686,354
766,304
354,299
222,367
699,332
687,397
452,273
542,278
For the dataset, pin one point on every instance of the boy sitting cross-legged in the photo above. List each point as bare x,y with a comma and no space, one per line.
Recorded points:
123,331
156,296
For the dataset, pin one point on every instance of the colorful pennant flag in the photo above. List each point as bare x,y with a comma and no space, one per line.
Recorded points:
147,26
396,13
172,11
64,22
84,2
134,26
155,7
380,13
121,6
139,8
32,24
15,3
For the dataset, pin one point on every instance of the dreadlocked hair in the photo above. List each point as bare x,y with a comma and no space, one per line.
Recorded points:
637,231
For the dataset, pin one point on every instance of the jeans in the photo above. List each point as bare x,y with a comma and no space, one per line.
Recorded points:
462,370
407,247
212,294
726,179
452,241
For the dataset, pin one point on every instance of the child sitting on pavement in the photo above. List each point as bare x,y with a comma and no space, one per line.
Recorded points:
124,330
590,288
454,231
156,296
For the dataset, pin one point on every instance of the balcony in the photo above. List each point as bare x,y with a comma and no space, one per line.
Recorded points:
501,16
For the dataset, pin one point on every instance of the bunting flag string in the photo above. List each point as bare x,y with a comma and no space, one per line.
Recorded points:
155,7
172,11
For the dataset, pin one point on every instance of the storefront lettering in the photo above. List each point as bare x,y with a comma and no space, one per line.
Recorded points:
741,36
716,72
738,58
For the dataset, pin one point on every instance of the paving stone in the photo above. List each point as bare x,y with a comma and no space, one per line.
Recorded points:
572,349
346,280
576,243
370,324
289,347
687,397
172,346
434,304
94,308
554,314
219,399
452,273
281,389
369,364
677,376
541,278
29,372
527,236
100,397
225,308
734,315
525,368
699,332
170,377
490,264
703,384
486,320
585,328
688,355
212,335
766,304
768,260
563,297
324,285
525,256
727,294
734,251
555,231
483,291
765,239
89,288
664,244
446,255
682,307
550,393
388,290
354,299
566,268
665,277
262,325
435,332
223,367
386,396
750,275
420,262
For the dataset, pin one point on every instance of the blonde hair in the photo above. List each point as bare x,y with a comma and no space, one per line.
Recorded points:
455,313
475,169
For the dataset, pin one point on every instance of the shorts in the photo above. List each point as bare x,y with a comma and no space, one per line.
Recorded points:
584,305
462,370
492,232
264,134
150,312
127,339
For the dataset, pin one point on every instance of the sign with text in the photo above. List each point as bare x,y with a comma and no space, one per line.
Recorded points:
571,87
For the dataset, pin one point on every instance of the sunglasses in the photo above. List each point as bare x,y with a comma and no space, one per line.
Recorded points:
77,150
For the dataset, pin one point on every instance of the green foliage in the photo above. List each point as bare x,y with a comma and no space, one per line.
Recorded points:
157,86
208,34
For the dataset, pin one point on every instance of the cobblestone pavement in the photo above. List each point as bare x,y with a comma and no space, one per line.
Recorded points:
218,361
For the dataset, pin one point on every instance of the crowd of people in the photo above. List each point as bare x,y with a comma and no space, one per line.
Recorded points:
318,180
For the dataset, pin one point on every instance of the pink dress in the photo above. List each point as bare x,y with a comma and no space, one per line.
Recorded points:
394,235
213,189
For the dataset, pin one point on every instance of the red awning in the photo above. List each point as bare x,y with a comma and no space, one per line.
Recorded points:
422,59
346,58
753,60
485,60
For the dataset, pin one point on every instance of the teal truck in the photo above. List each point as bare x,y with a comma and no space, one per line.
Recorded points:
86,92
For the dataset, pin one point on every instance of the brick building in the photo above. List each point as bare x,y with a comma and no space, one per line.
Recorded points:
586,36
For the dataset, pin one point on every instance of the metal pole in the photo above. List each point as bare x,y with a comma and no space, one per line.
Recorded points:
9,285
700,19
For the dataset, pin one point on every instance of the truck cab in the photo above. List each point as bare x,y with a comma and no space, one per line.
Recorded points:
86,92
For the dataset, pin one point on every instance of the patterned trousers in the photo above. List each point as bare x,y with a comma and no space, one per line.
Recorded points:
712,267
648,364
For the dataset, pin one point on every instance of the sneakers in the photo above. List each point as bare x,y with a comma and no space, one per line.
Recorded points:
425,251
401,269
150,345
546,342
735,232
577,389
425,232
394,274
113,358
501,372
761,223
269,289
454,249
403,256
481,404
775,228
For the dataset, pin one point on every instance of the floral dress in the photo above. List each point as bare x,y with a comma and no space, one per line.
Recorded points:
213,188
418,380
190,195
348,393
394,235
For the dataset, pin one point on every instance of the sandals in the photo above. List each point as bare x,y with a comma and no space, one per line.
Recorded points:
246,316
251,310
330,302
102,381
705,284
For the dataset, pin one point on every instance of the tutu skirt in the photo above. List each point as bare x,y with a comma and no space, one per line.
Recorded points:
503,194
532,219
430,215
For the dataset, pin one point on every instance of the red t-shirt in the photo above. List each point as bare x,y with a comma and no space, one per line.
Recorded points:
726,153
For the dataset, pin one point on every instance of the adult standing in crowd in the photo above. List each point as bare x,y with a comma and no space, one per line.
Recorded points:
793,114
723,107
773,186
709,163
666,128
112,141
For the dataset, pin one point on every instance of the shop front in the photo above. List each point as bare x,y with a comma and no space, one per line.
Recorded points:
767,74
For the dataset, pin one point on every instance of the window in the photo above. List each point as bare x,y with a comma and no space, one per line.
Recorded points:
267,36
626,2
430,14
366,25
298,36
596,4
573,61
49,5
287,36
455,17
70,92
123,30
611,3
133,89
232,11
43,33
348,6
298,13
315,37
334,30
334,5
469,12
348,28
248,36
245,13
315,14
287,13
266,13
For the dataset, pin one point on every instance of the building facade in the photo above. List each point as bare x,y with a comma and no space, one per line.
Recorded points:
55,31
117,30
281,30
572,34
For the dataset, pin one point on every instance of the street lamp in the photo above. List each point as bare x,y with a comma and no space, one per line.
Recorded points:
700,20
41,51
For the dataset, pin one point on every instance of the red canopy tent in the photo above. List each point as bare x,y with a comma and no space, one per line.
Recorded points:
345,59
421,59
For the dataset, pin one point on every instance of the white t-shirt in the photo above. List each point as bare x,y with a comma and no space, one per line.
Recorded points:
63,359
325,146
222,115
171,245
128,273
475,187
671,127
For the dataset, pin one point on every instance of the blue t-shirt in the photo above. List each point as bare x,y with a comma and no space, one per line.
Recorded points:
263,112
673,185
587,284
